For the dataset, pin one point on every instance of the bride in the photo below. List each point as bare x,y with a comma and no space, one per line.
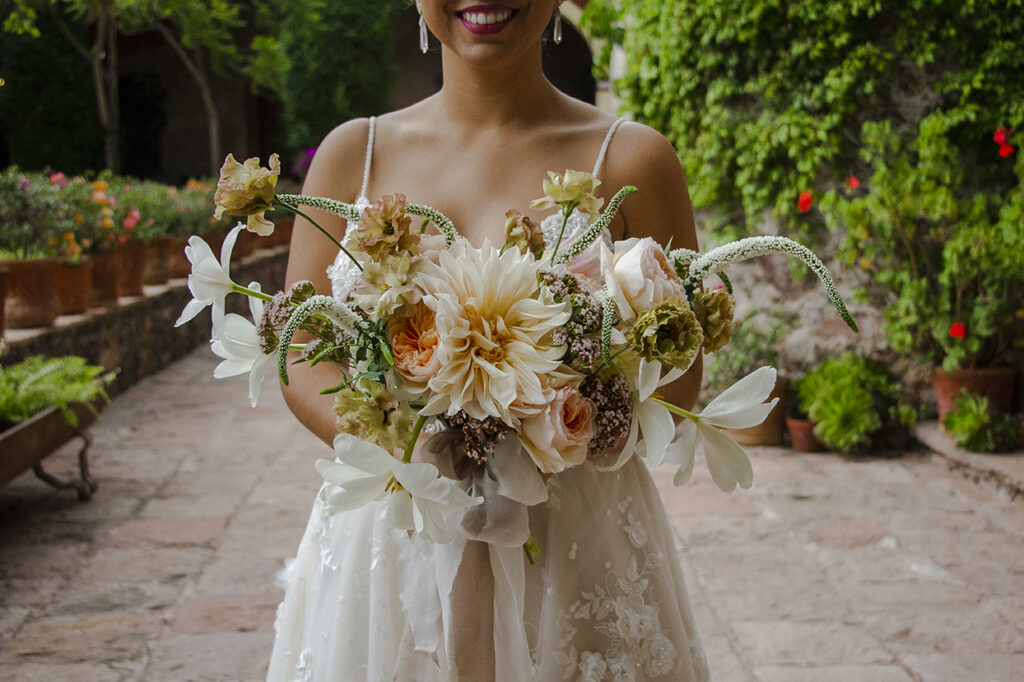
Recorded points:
605,598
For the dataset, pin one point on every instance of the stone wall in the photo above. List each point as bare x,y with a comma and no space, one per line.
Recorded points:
138,337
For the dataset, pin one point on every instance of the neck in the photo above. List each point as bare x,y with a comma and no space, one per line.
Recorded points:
483,98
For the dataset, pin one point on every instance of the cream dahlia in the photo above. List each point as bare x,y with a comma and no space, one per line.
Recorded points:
493,322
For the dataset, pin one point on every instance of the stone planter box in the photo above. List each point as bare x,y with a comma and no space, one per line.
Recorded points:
24,446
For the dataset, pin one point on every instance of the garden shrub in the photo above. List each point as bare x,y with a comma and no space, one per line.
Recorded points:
898,122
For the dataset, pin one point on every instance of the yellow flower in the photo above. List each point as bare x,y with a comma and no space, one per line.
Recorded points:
574,190
247,189
866,264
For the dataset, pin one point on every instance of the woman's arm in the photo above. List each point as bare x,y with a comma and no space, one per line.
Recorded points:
661,209
335,173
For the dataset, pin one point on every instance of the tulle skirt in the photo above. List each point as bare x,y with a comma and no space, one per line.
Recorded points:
603,601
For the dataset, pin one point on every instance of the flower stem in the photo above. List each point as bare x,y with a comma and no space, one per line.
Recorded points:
566,212
239,289
295,209
677,410
420,421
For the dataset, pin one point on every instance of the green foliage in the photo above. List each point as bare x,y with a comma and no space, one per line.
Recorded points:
978,427
38,383
755,343
33,214
339,64
47,106
937,255
854,402
766,99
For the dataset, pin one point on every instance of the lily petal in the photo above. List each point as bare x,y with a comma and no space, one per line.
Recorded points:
727,462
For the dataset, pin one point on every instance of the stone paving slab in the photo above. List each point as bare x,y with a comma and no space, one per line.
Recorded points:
1005,469
831,569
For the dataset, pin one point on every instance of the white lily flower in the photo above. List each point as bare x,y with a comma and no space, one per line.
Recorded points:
653,428
239,344
740,406
418,497
209,281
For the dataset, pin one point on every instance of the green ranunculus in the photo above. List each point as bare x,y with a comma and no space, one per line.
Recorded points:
669,332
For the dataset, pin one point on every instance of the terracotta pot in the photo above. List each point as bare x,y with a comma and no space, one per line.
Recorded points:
132,255
3,297
31,299
158,252
801,435
106,273
74,285
768,432
995,383
177,262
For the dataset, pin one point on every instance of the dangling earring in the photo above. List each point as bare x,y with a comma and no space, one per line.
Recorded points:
556,33
424,42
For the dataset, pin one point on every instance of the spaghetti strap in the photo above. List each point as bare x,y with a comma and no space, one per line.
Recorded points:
604,145
369,157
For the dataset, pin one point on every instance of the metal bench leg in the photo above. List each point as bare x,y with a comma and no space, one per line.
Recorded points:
84,485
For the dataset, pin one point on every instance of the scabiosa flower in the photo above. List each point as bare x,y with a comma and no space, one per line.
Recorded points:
804,201
958,330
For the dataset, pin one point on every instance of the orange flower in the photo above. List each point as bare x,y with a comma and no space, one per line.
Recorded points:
414,341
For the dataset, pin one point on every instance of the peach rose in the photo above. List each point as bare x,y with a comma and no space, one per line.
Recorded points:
642,275
414,344
558,436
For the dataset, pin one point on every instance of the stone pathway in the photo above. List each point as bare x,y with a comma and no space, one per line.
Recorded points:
830,569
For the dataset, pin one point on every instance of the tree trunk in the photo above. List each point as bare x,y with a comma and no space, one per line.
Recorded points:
102,59
194,65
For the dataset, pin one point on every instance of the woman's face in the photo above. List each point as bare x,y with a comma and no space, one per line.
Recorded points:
488,33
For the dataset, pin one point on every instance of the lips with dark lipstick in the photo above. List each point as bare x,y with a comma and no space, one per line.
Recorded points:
482,19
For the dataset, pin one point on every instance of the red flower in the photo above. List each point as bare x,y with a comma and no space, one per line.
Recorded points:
804,201
853,182
957,330
1000,136
1005,150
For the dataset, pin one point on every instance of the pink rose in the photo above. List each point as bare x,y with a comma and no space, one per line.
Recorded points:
642,276
587,265
558,436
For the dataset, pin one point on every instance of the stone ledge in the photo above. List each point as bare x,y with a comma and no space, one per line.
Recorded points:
138,335
1006,469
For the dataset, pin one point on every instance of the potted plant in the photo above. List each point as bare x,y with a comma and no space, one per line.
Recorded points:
754,343
32,214
977,426
158,214
43,403
938,236
97,215
855,404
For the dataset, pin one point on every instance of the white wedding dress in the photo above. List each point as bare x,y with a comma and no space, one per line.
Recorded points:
604,601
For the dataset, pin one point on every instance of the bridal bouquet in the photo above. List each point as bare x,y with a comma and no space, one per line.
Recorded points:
524,359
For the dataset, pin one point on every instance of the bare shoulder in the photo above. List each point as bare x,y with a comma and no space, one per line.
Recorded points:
641,156
338,160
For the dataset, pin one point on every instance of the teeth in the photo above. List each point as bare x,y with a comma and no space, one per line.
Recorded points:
488,18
